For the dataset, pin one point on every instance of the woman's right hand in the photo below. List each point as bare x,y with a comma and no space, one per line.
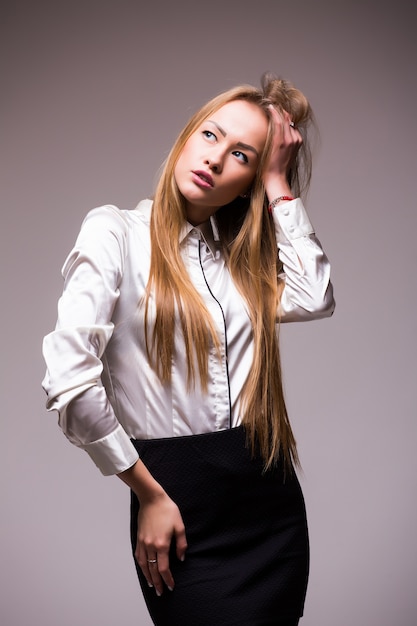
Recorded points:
159,523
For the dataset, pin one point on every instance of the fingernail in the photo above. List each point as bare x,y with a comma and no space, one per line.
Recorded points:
182,558
171,588
149,584
158,593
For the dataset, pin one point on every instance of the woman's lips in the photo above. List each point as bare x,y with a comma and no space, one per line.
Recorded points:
202,178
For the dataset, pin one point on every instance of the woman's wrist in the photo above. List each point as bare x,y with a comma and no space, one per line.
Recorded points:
277,191
276,186
142,483
277,200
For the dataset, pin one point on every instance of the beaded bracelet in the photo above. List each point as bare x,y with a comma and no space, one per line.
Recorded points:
274,203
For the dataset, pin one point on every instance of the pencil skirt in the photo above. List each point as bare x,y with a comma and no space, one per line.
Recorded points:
247,559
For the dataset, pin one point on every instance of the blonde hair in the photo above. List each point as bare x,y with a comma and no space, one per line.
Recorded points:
248,241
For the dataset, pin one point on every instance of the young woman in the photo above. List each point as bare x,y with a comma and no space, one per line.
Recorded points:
164,365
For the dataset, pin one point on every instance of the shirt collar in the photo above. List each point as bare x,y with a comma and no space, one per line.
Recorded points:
209,233
209,230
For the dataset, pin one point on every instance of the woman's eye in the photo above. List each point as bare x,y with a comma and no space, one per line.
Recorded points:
241,156
209,135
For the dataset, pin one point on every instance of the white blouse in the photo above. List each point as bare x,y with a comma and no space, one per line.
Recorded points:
98,377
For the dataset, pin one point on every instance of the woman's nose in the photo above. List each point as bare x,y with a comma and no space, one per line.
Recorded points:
214,162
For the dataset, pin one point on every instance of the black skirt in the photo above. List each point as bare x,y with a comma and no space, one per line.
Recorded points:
247,558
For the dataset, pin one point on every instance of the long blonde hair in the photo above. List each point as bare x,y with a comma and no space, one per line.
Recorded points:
248,241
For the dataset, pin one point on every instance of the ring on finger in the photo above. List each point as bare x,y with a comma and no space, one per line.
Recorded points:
152,561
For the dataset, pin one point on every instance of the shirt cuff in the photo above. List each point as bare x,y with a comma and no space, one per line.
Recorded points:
291,221
114,453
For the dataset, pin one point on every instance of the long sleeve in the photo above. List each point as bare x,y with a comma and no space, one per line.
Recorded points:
92,273
308,292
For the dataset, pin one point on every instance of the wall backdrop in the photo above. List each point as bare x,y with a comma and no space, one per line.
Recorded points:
93,94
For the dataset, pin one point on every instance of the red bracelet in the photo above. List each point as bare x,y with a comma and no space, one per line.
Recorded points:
274,203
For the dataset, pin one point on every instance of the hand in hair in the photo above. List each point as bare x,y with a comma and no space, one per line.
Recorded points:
286,142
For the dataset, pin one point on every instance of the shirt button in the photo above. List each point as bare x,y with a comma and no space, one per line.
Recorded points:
286,212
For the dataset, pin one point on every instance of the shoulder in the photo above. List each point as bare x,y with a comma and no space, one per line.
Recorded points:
107,217
102,236
111,217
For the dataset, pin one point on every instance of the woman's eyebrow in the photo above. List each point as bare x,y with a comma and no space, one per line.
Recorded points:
245,146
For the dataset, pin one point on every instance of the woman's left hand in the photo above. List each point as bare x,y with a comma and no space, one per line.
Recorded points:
285,144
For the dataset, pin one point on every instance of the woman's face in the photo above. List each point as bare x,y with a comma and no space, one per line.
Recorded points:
220,159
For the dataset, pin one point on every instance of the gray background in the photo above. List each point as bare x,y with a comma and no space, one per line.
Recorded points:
93,94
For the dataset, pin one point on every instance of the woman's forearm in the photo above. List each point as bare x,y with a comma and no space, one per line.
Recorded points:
142,483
